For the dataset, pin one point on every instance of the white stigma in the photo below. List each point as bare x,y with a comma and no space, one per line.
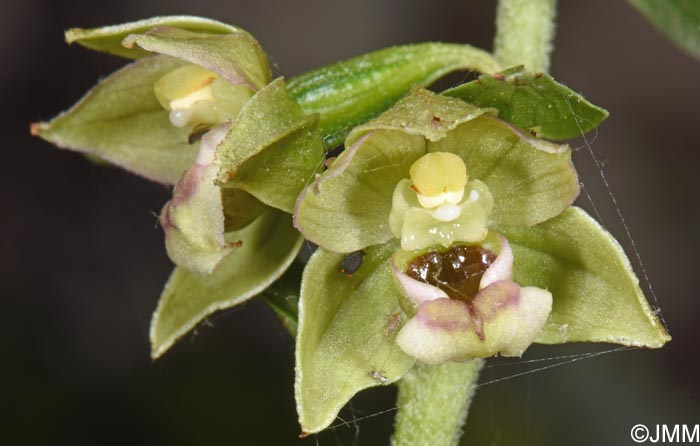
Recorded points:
447,212
180,118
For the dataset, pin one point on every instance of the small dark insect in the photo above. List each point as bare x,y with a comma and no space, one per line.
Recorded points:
352,262
198,132
378,376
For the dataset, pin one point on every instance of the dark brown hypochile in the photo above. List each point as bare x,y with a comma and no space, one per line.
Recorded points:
457,272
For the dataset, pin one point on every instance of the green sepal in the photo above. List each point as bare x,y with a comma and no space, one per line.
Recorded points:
534,102
269,246
108,39
121,121
679,20
351,92
236,56
422,113
347,329
273,151
596,294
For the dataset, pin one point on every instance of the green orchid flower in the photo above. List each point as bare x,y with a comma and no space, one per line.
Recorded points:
472,249
188,112
198,109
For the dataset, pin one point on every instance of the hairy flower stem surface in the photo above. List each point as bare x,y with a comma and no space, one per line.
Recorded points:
524,33
433,403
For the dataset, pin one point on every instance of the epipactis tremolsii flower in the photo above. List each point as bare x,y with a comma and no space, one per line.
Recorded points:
438,174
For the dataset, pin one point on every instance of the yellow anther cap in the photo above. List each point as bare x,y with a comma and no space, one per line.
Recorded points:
436,173
189,82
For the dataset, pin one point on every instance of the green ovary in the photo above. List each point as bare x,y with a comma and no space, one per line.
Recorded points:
197,97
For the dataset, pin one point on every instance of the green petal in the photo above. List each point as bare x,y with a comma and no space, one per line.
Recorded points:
273,151
534,102
596,294
348,207
237,57
194,220
679,20
269,246
121,121
530,180
353,91
347,327
109,38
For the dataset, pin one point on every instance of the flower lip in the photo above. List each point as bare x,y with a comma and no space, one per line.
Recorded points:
500,317
502,266
457,271
419,292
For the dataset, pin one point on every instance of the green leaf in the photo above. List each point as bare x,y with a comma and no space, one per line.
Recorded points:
273,151
109,38
236,56
121,121
270,245
596,294
533,102
530,180
283,297
679,20
347,327
353,91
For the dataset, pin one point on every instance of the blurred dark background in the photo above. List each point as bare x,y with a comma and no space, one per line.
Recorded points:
82,262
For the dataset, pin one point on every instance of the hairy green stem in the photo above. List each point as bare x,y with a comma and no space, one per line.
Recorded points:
524,33
433,403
